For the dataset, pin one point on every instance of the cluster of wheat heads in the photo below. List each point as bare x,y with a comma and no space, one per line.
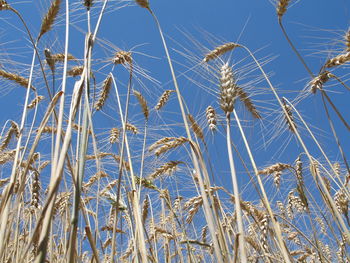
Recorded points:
99,169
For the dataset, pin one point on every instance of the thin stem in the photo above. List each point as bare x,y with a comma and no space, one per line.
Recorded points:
240,234
208,211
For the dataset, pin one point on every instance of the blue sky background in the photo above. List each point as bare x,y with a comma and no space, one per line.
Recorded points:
316,27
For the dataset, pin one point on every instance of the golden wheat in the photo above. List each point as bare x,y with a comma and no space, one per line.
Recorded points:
220,50
49,18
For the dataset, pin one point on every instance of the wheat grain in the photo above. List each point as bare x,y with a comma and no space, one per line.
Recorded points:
106,87
220,50
50,17
163,99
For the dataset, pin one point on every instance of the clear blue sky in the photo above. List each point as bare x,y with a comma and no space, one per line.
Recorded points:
316,27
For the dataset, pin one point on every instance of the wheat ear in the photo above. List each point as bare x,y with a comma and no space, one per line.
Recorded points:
168,167
88,4
143,3
163,99
338,60
4,5
282,7
75,71
49,18
106,87
35,101
143,103
16,78
196,128
211,118
243,96
220,50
